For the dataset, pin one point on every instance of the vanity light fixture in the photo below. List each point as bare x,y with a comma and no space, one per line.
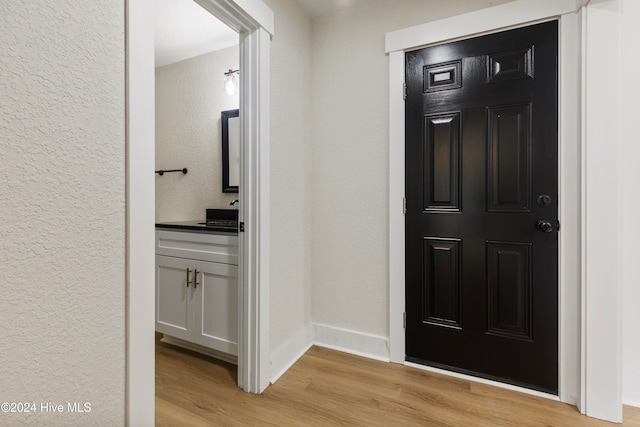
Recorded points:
231,81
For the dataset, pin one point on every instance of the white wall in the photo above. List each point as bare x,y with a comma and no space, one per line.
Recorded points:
62,222
290,290
350,167
189,99
630,203
602,218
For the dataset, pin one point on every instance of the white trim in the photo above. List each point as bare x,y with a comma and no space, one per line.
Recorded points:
140,201
262,288
290,351
583,216
241,15
253,360
490,20
483,381
253,344
361,344
396,215
569,212
258,11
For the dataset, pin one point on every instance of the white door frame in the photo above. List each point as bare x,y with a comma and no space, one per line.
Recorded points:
591,388
255,23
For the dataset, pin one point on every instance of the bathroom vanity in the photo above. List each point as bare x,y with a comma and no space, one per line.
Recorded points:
197,288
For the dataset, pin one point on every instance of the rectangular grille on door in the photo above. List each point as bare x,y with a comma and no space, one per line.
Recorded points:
442,76
442,161
509,289
509,159
441,287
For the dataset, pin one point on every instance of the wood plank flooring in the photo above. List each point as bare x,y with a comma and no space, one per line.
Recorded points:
329,388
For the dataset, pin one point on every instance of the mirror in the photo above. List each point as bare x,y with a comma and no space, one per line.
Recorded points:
230,151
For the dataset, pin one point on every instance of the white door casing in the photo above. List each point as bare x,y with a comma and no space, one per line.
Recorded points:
255,23
595,386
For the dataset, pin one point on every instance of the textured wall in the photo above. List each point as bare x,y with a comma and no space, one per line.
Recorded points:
62,234
189,99
290,172
350,80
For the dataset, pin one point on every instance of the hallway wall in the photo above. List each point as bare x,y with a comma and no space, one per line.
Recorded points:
62,222
290,293
350,81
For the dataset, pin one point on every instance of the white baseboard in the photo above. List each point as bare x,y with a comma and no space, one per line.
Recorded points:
353,342
290,351
631,403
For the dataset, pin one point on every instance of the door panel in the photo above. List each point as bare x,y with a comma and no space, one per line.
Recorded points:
512,65
217,306
509,289
442,154
509,167
481,149
442,282
173,296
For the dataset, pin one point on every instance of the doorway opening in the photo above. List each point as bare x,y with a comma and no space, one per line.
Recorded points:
514,15
482,206
254,22
197,63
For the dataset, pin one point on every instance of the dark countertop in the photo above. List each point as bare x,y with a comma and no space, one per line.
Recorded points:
195,225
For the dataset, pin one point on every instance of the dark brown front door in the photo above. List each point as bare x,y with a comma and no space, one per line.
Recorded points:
482,206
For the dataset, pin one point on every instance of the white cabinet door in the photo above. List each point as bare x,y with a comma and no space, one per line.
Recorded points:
216,306
174,300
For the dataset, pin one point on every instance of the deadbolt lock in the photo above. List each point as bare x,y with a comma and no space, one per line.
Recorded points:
544,200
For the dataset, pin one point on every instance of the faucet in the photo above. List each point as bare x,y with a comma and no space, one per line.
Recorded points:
234,202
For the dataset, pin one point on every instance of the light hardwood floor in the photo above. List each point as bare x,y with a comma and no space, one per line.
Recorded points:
329,388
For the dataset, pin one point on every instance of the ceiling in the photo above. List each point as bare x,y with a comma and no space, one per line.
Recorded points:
318,8
183,29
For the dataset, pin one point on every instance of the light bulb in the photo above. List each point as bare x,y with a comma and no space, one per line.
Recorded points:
230,83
